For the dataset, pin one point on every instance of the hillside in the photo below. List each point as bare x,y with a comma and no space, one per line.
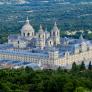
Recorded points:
45,1
69,16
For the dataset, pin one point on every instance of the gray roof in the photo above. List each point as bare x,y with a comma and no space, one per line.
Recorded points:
23,53
13,37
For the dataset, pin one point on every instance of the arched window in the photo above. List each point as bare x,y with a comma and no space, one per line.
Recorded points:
53,33
18,42
50,42
28,34
57,33
39,36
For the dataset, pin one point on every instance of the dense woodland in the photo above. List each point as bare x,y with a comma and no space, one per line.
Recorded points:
68,16
78,79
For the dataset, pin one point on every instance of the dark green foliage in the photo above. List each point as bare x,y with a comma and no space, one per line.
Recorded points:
27,80
74,67
81,89
90,66
82,66
12,17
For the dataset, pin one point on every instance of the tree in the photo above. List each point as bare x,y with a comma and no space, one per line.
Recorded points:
82,66
74,67
90,66
60,69
68,87
81,89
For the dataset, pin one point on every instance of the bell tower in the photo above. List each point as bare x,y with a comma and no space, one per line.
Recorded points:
55,34
41,38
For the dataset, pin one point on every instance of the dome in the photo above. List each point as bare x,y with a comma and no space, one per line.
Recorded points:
27,27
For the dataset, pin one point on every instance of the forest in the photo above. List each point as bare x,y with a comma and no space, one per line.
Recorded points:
77,79
69,17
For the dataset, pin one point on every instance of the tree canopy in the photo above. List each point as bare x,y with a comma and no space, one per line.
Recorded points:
60,80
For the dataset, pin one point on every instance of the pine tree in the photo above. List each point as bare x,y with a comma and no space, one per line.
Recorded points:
74,67
82,66
90,66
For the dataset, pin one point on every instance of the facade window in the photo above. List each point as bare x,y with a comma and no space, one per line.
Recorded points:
43,36
18,42
53,33
57,33
39,36
28,34
50,42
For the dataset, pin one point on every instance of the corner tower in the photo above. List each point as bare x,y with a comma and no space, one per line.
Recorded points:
41,38
55,34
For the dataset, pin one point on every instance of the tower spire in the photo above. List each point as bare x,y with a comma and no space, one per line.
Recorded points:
55,24
55,33
81,37
41,28
27,20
